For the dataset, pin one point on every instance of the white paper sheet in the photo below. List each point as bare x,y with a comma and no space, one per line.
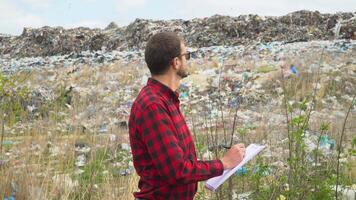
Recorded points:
251,151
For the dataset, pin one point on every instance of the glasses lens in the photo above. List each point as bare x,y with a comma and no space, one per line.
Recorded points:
187,56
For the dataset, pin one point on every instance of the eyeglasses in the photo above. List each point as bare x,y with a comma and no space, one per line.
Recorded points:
187,55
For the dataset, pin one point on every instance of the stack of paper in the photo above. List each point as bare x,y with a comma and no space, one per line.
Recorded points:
251,151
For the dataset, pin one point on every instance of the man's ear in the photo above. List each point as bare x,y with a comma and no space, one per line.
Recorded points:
174,63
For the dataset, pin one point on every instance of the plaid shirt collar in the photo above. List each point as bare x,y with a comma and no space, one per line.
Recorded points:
163,89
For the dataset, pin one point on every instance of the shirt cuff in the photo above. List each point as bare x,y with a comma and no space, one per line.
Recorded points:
218,167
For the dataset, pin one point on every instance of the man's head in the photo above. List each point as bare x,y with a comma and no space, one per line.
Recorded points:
166,51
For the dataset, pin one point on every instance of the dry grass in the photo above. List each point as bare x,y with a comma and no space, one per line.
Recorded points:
43,168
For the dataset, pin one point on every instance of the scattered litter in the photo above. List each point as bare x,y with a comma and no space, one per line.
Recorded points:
125,146
293,69
81,161
242,171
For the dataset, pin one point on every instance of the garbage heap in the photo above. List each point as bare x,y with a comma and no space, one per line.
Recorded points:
217,30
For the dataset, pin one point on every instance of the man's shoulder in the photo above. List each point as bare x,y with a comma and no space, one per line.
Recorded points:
147,97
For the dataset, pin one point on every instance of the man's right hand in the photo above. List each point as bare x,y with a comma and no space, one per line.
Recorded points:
233,156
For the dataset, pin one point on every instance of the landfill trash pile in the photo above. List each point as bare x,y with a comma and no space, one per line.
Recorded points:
97,58
100,58
216,30
218,75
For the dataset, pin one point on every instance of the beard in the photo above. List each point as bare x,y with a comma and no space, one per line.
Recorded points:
182,73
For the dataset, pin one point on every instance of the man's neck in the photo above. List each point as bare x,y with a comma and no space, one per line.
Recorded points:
170,81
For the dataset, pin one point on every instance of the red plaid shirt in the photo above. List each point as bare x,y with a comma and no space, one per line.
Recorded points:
162,147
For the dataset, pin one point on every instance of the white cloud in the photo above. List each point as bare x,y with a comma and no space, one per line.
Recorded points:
38,4
13,19
89,1
124,6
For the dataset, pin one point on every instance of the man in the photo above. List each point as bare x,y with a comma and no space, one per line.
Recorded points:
162,147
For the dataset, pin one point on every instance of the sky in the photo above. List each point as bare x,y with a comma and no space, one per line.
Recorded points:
17,14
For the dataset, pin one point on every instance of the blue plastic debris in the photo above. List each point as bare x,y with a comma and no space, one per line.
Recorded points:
326,141
293,69
183,95
184,86
241,171
14,190
8,142
183,91
128,104
221,61
262,170
11,197
232,103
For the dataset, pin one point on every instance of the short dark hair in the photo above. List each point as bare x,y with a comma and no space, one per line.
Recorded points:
161,48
